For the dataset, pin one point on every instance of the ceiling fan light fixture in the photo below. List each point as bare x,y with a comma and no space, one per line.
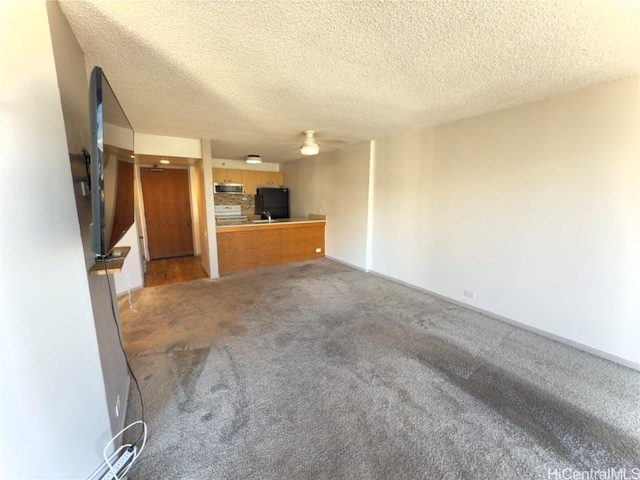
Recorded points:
309,149
253,159
309,146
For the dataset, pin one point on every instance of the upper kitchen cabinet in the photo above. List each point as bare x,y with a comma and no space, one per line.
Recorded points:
275,179
227,175
249,181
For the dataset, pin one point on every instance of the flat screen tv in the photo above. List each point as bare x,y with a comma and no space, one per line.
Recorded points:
111,169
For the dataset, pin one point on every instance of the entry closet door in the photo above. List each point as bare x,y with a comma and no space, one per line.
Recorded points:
167,212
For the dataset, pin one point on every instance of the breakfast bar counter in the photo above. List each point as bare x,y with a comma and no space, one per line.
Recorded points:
260,243
266,223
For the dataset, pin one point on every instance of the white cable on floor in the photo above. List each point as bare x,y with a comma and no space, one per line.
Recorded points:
126,276
138,452
124,447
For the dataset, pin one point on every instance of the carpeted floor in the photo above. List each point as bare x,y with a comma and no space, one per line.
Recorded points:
318,371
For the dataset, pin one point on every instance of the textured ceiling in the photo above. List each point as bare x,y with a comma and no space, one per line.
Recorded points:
253,75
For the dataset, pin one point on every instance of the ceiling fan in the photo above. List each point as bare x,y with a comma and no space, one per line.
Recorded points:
290,146
309,145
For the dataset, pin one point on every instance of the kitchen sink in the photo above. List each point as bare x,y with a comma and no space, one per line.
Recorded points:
275,220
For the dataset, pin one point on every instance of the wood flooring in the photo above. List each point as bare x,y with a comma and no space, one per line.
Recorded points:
173,270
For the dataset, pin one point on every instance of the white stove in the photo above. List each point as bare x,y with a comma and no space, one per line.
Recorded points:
229,213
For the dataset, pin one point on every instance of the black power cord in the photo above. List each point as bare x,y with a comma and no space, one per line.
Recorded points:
126,359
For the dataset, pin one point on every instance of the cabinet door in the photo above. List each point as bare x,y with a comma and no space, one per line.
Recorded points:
277,178
219,175
263,178
249,181
234,176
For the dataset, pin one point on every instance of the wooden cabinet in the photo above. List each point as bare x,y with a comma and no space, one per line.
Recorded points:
235,176
263,178
219,175
277,178
270,178
247,247
249,181
227,175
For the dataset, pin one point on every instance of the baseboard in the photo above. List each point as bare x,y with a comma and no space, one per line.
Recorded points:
515,323
333,259
125,406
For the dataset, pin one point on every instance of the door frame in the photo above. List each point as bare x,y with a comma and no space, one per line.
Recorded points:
195,225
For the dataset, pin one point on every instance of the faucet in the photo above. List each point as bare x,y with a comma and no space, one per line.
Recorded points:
268,215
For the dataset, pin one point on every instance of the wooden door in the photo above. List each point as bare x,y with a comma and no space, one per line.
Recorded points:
167,212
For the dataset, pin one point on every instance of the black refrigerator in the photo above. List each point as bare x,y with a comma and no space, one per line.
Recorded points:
273,200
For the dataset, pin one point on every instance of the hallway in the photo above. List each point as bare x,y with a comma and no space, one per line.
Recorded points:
166,271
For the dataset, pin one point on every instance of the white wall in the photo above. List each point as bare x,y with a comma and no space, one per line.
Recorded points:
203,234
53,391
241,165
207,211
195,210
132,275
335,184
169,146
536,209
72,81
118,136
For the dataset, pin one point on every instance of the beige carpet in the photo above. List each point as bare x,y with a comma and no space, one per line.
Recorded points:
316,370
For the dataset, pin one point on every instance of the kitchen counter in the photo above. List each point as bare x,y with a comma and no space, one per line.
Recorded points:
263,223
252,244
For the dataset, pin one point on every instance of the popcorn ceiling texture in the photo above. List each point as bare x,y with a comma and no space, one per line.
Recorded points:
252,76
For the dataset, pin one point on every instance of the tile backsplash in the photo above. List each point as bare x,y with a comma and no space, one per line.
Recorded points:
247,202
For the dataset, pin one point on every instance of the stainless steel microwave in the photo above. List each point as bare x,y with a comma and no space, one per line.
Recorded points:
228,188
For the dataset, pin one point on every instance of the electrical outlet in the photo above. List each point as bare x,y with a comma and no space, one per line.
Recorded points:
118,406
318,250
469,294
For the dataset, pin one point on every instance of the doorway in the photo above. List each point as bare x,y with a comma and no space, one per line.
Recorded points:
167,212
173,270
